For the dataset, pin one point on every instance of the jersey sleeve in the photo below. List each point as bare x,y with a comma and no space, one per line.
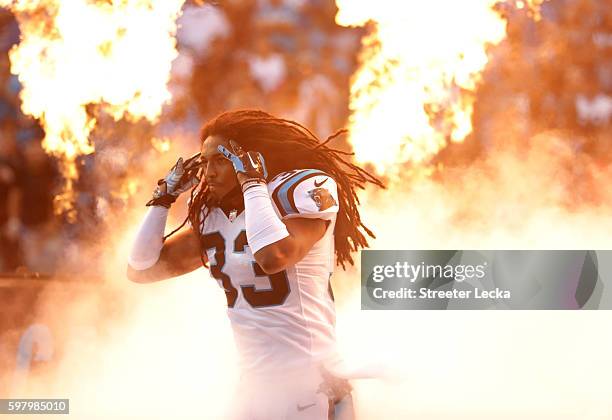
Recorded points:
307,193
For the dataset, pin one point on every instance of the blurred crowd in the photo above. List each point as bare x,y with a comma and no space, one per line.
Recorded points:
290,58
285,56
552,74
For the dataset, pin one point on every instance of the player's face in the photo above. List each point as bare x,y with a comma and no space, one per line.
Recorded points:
218,171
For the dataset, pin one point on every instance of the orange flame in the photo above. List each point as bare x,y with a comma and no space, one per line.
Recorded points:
161,144
413,92
77,53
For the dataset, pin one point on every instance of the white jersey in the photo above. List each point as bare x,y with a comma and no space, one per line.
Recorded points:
286,320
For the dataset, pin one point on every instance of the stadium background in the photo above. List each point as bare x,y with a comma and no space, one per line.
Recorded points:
531,172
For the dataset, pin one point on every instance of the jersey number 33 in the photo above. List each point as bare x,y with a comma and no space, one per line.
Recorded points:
279,282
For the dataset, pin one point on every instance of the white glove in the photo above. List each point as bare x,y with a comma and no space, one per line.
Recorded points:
182,177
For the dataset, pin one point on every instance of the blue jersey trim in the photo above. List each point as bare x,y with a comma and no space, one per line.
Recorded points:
286,187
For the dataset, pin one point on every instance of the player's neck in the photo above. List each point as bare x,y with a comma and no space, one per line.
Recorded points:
233,200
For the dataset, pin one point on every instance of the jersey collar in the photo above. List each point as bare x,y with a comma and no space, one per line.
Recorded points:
233,200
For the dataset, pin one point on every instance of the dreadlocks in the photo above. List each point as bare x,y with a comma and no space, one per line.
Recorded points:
288,145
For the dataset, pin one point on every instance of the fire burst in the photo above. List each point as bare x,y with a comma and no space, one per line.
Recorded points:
415,89
78,53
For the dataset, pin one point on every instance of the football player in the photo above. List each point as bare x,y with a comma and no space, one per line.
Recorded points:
273,208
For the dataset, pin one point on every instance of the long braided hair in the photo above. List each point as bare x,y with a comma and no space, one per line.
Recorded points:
288,145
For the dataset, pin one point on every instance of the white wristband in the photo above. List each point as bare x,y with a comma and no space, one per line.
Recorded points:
149,240
263,227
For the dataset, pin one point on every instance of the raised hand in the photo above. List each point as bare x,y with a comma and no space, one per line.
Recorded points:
183,176
248,166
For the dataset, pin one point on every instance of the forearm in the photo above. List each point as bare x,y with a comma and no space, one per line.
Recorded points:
263,226
168,265
159,271
178,255
277,256
149,240
303,234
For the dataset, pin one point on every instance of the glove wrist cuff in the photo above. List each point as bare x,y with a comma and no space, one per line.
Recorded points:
251,182
165,200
